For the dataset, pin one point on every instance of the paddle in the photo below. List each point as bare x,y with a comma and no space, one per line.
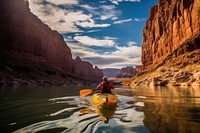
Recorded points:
85,92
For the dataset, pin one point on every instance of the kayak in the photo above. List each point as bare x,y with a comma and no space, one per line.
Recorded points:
104,100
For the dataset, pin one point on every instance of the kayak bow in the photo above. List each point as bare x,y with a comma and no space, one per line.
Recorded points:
104,100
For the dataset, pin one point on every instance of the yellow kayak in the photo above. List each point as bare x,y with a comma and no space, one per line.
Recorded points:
104,100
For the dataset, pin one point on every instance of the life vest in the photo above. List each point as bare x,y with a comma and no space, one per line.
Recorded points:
106,87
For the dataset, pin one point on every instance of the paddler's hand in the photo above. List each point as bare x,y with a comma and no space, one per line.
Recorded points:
96,90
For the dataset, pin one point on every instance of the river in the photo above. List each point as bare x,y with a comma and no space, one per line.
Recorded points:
61,109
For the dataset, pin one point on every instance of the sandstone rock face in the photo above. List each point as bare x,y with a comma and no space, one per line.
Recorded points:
126,72
81,68
170,78
194,80
25,37
26,41
172,25
138,69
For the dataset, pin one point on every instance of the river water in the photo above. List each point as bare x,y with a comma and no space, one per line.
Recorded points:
61,109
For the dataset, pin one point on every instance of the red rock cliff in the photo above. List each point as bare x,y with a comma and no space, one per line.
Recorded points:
173,27
25,39
126,72
86,68
24,36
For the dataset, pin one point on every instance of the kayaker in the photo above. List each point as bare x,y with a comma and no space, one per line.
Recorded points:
105,86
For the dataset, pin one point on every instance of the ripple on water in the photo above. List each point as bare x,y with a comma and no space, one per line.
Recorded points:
85,118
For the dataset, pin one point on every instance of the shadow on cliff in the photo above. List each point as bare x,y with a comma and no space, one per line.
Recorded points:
33,54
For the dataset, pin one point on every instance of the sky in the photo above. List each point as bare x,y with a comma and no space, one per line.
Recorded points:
106,33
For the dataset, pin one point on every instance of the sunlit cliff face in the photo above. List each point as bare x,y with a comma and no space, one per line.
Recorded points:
171,25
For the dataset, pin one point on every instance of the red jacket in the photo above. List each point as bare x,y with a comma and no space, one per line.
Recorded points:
105,86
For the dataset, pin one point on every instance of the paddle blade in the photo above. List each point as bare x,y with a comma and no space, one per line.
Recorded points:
85,92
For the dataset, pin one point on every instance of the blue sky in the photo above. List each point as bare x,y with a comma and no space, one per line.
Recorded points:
107,33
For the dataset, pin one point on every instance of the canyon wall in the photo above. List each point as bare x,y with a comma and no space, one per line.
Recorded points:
172,29
85,68
25,37
25,40
126,72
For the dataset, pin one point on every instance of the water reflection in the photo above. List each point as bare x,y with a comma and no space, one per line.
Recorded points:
39,92
142,110
169,94
171,118
171,110
81,116
105,114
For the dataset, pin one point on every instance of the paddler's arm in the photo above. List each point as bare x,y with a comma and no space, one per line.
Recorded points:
96,90
112,86
99,87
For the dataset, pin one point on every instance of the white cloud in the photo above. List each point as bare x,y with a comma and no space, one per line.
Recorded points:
126,55
131,43
88,7
90,23
110,38
102,12
69,20
116,2
63,2
116,59
107,7
86,40
64,20
104,17
56,18
102,1
122,21
107,12
81,51
90,31
127,51
114,18
122,57
139,19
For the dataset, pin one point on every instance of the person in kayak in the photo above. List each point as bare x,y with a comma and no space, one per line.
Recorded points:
105,86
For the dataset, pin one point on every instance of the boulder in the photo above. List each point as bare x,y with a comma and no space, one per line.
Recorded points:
196,79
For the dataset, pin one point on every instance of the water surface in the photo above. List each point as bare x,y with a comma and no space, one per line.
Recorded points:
61,109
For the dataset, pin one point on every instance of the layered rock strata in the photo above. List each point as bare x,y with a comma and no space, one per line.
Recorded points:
169,78
172,29
27,45
171,45
126,72
85,68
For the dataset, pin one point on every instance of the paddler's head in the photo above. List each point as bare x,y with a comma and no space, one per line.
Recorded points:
105,78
